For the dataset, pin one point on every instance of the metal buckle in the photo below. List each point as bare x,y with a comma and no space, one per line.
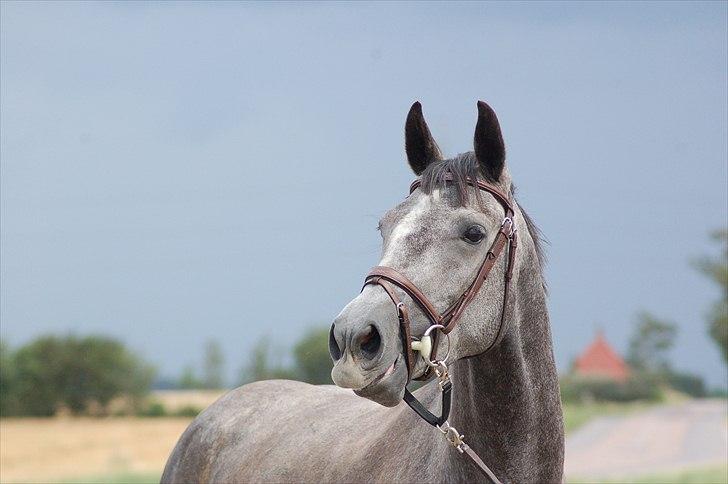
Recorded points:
443,378
400,312
512,226
452,435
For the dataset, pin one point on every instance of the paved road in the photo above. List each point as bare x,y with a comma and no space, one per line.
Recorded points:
663,439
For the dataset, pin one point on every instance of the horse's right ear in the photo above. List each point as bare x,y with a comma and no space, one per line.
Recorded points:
418,143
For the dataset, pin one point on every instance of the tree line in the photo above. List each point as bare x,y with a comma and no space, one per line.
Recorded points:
651,370
309,361
78,374
84,374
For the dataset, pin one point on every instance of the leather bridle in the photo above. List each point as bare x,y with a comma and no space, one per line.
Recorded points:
388,278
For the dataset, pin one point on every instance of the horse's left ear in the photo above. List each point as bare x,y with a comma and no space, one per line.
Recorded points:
489,147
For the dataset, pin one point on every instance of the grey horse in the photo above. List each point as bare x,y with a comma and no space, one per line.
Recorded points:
505,401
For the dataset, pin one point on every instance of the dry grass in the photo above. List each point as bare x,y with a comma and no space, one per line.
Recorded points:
175,400
46,450
66,448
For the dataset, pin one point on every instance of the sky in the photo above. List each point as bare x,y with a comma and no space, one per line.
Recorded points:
172,173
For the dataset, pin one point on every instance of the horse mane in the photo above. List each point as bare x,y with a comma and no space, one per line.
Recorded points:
462,167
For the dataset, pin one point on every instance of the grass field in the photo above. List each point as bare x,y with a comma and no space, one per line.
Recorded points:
175,400
122,478
709,475
62,449
577,415
118,449
706,475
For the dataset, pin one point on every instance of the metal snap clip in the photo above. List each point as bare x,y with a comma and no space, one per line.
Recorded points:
452,435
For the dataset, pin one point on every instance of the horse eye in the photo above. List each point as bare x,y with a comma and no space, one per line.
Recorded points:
474,234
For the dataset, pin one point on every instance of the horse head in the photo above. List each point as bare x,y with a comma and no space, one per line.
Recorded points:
438,238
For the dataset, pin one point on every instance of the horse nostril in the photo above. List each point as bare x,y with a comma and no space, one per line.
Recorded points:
334,349
370,341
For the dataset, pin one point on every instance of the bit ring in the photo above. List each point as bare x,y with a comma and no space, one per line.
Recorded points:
447,335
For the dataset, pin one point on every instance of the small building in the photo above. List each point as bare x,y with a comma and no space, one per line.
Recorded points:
599,360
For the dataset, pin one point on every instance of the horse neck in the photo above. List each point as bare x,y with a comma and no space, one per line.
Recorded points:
507,402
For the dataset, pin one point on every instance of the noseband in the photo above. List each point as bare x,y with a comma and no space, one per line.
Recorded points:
388,278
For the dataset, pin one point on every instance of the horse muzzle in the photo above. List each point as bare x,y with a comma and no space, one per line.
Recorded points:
366,347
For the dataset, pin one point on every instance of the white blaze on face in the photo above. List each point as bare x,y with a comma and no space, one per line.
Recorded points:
406,226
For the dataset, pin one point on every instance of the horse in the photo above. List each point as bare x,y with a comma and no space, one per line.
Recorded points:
499,365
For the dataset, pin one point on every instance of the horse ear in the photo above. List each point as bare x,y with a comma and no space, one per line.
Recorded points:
418,143
489,147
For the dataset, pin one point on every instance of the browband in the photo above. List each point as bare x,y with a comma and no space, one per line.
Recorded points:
486,187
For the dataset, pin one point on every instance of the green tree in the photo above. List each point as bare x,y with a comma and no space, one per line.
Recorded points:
687,383
73,372
212,377
9,404
311,354
261,365
188,380
650,343
716,268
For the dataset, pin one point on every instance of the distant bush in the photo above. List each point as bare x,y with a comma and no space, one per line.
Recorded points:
72,373
311,360
583,390
187,411
157,409
9,403
213,367
265,364
717,393
688,383
154,409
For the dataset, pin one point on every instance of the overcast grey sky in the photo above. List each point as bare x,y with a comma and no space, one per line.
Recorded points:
178,172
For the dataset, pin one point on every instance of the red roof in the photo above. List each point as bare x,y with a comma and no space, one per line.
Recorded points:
601,361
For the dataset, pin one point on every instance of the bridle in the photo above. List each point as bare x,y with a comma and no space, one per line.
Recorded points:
388,278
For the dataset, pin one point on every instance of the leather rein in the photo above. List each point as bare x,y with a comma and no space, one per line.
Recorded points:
389,279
